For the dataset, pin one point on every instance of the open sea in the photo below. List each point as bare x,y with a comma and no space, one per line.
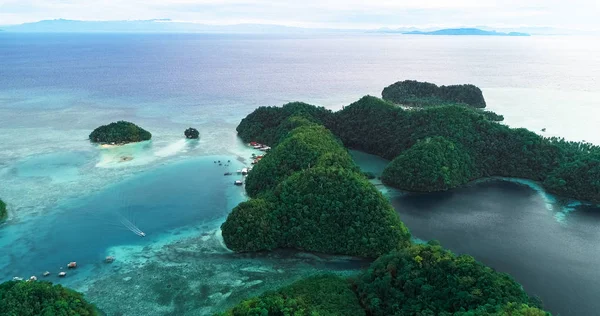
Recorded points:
69,200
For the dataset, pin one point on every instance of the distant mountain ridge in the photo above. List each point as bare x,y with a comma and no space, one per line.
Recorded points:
170,26
151,26
466,31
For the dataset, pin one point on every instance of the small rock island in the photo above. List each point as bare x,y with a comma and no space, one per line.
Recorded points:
191,133
119,133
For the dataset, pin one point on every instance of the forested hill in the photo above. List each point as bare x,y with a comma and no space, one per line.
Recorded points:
424,94
452,135
308,194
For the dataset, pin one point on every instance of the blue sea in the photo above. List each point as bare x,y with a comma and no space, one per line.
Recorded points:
70,200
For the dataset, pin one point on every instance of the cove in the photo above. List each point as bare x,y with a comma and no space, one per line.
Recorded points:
509,227
159,201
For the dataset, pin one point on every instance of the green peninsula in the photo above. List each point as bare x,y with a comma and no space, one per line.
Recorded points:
308,194
424,94
454,145
42,298
119,133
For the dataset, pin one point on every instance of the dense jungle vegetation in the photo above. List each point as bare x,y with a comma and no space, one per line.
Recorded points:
421,280
20,298
121,132
309,195
424,94
379,127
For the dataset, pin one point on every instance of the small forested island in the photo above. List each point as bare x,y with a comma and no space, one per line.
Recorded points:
191,133
3,212
33,298
424,94
466,31
119,133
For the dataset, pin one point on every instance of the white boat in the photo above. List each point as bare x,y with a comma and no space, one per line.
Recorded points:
142,234
238,182
245,171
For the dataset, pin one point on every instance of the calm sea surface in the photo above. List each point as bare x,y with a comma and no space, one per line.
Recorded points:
68,199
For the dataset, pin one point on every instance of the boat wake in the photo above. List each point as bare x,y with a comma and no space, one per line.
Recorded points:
131,226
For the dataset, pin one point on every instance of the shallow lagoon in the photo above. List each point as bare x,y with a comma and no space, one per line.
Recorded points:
180,267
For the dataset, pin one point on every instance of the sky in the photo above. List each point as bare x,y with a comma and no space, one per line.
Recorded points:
359,14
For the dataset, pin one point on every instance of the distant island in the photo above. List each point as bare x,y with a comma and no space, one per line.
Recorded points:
3,212
466,31
119,133
423,94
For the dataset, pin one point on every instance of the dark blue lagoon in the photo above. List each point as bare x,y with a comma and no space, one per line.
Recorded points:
546,244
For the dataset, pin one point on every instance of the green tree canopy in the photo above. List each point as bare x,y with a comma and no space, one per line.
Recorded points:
432,164
323,209
337,211
267,125
252,226
427,280
307,146
21,298
580,178
422,94
378,127
120,132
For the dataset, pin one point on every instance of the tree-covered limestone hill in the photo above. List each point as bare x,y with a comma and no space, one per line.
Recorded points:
432,164
42,298
269,124
309,145
428,280
379,127
565,168
120,132
424,94
421,280
324,204
3,212
314,198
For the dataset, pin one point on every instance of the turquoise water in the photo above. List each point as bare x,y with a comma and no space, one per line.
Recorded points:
67,197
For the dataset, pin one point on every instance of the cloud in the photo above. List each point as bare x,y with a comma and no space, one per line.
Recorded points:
323,13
